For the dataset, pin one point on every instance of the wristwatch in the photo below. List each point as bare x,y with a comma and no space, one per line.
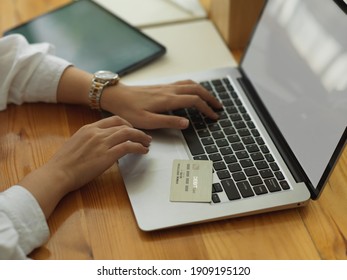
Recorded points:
101,79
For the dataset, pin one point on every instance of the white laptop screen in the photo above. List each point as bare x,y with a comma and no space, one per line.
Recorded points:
297,62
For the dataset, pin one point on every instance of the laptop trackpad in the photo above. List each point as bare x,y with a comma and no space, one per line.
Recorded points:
166,146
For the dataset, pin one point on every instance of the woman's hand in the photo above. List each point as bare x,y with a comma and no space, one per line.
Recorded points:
87,154
146,106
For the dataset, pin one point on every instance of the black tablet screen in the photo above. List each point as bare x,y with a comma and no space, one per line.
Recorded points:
92,38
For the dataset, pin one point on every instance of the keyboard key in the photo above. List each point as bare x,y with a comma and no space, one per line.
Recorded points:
214,127
207,141
250,124
256,180
264,149
260,189
222,114
244,132
215,157
255,132
230,159
252,148
266,173
193,142
245,116
233,138
217,82
235,117
219,165
206,85
227,82
230,189
211,149
285,185
238,102
279,175
200,157
229,130
257,156
222,143
230,109
269,158
215,198
274,166
237,146
272,185
260,141
242,110
245,189
226,151
216,187
199,125
223,95
203,133
248,140
239,176
251,171
223,174
233,94
234,167
242,155
225,123
246,163
227,103
218,135
239,124
262,164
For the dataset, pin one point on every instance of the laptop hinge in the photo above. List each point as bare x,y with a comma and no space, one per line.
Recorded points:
274,132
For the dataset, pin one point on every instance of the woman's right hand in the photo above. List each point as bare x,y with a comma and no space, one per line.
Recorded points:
87,154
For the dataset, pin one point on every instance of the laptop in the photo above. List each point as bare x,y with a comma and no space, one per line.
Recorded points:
280,133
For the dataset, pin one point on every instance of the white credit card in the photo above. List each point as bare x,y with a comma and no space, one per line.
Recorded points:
191,181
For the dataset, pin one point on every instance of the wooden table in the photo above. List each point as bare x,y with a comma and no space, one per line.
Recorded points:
97,221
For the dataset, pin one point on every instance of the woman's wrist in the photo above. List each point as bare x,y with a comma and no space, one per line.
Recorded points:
47,186
74,86
108,97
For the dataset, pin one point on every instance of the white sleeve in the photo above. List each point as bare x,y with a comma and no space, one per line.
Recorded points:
23,226
28,72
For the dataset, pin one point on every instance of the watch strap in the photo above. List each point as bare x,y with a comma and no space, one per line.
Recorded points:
96,91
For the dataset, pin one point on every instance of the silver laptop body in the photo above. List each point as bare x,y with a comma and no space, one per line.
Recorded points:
292,87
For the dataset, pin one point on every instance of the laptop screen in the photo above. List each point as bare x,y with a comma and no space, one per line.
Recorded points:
297,63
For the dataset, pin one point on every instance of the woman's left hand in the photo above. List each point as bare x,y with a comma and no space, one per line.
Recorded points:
146,107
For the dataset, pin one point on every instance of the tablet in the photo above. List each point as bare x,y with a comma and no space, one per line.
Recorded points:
92,38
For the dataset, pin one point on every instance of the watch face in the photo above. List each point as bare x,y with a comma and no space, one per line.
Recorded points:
106,75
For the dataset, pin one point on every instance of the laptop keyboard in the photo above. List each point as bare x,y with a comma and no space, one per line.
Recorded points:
241,159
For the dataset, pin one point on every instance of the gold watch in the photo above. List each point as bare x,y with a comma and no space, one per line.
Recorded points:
101,79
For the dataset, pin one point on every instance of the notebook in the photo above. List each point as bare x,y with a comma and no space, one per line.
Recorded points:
279,135
155,12
92,38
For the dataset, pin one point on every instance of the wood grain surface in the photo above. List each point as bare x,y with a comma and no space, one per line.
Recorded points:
97,221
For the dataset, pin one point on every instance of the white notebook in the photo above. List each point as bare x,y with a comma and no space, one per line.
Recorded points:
154,12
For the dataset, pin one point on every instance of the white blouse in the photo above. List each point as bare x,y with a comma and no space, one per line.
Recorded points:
28,73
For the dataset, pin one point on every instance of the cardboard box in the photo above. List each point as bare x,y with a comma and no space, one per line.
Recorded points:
235,20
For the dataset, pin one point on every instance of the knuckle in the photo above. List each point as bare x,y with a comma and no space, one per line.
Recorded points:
118,119
126,131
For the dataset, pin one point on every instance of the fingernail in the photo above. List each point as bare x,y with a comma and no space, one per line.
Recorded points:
184,123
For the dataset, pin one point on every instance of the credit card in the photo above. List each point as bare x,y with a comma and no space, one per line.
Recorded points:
191,181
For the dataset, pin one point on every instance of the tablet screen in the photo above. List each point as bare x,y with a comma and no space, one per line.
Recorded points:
92,38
